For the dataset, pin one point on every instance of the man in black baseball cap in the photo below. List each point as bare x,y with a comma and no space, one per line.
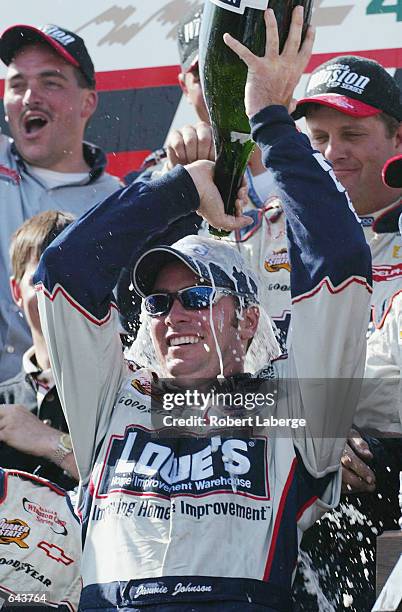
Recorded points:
353,114
187,38
187,41
49,96
67,44
354,85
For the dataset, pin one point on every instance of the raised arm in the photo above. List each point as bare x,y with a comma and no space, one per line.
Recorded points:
75,279
330,260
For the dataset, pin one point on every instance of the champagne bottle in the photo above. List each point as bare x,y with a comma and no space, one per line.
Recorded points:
223,78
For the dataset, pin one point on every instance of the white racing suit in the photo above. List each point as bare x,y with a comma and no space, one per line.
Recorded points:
161,535
40,545
380,405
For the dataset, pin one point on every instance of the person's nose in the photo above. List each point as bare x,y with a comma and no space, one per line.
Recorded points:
32,96
334,150
177,313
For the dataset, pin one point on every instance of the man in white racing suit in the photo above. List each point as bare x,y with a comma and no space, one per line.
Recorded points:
357,127
155,507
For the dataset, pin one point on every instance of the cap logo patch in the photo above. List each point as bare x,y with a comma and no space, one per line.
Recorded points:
191,30
339,76
200,250
59,35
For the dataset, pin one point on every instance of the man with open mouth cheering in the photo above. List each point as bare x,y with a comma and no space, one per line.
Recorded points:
48,99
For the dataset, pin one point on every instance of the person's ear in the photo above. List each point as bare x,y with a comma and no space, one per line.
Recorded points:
89,103
398,139
249,322
182,83
16,291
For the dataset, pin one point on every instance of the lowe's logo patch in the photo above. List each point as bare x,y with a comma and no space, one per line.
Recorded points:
137,463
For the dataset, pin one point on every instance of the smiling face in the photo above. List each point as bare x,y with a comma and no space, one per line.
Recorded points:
46,109
184,340
358,149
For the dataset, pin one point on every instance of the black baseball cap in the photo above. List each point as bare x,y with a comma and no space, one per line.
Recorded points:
352,85
213,260
68,45
187,38
392,172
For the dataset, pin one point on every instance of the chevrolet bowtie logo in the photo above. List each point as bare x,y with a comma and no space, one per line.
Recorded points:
55,552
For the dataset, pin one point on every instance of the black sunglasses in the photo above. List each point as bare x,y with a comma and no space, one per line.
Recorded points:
191,298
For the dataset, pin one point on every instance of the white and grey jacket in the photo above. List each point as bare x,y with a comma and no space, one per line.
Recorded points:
21,197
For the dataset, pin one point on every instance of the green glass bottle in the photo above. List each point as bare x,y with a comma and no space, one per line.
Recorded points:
223,77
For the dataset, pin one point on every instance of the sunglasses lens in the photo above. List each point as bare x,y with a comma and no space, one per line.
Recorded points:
196,298
193,298
157,304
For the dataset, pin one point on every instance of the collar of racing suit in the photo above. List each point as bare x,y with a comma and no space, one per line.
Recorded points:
384,221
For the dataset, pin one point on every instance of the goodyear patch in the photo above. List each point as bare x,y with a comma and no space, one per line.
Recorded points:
367,221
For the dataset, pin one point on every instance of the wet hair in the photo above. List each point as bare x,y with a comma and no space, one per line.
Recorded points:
30,240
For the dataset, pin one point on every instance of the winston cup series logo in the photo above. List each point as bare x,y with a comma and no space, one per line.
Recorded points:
238,6
339,76
46,516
